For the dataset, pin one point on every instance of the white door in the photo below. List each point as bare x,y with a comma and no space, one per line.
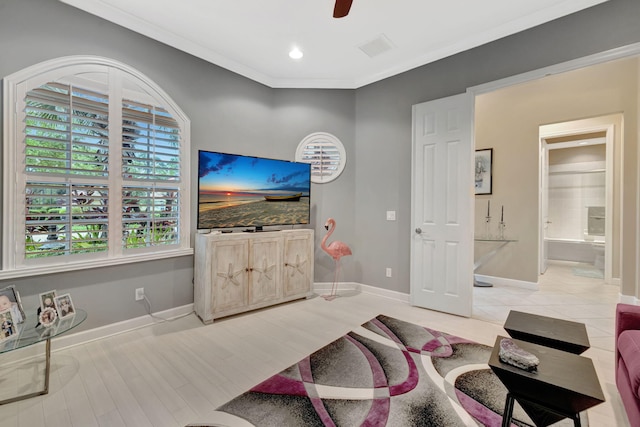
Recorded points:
442,210
544,206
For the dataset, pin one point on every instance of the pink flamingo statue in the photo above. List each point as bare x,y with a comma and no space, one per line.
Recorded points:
336,250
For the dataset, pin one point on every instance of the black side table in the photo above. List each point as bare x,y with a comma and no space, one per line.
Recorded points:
548,331
564,385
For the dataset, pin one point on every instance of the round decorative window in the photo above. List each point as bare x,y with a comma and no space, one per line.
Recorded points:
326,154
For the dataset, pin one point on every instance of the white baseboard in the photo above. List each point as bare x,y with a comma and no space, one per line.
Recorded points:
33,352
69,340
629,299
501,281
324,287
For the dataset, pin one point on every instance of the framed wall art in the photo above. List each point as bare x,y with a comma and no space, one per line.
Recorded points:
484,171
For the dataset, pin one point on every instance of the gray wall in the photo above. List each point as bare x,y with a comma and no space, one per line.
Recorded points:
231,113
297,113
383,122
228,113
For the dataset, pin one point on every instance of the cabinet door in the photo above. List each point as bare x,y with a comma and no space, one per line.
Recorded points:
230,272
265,260
297,264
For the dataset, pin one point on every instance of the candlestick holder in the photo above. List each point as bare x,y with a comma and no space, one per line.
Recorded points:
501,227
487,226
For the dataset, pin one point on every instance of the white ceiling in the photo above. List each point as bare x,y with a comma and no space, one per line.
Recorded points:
253,37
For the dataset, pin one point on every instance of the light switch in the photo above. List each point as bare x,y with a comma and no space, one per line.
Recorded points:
391,215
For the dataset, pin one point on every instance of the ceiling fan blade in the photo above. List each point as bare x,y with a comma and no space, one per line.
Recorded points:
342,8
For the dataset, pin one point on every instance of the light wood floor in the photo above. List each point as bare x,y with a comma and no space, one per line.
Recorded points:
175,373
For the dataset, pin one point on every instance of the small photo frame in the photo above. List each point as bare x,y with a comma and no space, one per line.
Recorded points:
10,300
48,317
8,328
484,171
64,306
48,300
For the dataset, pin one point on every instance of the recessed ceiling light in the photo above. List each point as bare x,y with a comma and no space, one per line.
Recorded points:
295,53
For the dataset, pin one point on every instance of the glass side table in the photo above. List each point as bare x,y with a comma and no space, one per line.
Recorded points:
28,334
499,244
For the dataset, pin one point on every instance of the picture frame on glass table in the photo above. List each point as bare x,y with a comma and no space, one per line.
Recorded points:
64,306
8,327
48,317
48,300
484,171
10,299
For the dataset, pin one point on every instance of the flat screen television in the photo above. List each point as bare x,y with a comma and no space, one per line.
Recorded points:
244,191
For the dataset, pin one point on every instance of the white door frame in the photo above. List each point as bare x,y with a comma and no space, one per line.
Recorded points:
609,174
543,203
595,59
563,67
598,58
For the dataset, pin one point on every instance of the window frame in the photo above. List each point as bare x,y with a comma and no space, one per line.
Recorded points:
15,87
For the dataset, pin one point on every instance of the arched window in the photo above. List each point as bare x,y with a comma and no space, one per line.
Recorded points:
96,168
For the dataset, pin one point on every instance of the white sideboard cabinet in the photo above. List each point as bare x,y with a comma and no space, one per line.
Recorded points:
237,272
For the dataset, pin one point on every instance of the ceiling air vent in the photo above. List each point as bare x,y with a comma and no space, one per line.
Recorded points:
326,154
377,46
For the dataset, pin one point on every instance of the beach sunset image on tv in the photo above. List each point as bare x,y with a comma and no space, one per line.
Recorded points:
244,191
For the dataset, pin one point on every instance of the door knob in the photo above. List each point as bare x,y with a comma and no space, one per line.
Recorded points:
418,230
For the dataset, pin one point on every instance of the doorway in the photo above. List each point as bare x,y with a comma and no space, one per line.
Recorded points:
508,120
527,103
513,132
576,196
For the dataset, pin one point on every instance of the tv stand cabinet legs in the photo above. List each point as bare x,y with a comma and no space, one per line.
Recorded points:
238,272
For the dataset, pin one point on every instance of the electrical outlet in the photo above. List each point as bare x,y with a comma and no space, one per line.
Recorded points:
391,215
388,272
139,294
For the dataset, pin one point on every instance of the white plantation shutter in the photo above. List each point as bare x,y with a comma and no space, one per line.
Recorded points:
150,143
55,210
150,154
150,216
326,154
66,134
66,131
98,164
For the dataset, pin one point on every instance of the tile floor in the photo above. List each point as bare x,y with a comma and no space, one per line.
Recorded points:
561,294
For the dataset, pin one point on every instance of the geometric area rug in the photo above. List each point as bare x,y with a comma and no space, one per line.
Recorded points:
387,372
